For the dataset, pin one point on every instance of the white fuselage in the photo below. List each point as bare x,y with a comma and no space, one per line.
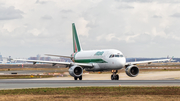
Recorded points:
109,59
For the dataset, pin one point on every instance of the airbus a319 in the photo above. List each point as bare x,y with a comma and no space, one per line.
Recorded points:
95,60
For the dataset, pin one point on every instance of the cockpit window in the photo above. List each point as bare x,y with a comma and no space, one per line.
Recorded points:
121,55
111,56
115,55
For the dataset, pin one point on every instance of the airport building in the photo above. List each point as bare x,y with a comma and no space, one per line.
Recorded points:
1,58
38,57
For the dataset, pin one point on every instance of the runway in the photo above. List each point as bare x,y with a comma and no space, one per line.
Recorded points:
157,78
25,83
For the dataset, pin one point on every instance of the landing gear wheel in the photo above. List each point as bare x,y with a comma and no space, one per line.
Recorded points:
114,76
80,78
75,78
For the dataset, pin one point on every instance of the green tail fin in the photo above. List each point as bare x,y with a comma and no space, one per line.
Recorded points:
76,44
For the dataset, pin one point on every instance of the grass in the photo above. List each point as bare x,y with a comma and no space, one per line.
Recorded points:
24,76
93,93
56,69
38,69
61,68
82,91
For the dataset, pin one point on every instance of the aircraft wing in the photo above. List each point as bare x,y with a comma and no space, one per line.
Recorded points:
149,61
58,55
56,62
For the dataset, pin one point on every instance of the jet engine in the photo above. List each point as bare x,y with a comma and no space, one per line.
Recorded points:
75,71
132,71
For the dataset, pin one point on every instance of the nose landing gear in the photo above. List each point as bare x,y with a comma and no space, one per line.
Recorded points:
114,76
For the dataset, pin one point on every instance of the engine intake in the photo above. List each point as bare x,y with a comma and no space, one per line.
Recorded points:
132,71
75,71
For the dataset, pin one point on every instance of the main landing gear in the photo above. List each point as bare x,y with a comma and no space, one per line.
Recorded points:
114,76
80,78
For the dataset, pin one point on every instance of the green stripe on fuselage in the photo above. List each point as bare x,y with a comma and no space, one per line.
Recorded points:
90,61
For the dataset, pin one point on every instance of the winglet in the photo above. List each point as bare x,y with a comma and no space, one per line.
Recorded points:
171,58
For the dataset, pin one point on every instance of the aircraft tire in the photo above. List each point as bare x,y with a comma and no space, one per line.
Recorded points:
80,78
75,78
112,78
117,77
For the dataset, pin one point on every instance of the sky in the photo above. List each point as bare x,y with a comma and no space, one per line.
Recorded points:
138,28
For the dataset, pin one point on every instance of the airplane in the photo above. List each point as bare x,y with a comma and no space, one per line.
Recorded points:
95,60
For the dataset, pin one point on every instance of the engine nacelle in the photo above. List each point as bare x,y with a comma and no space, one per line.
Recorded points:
75,71
132,71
